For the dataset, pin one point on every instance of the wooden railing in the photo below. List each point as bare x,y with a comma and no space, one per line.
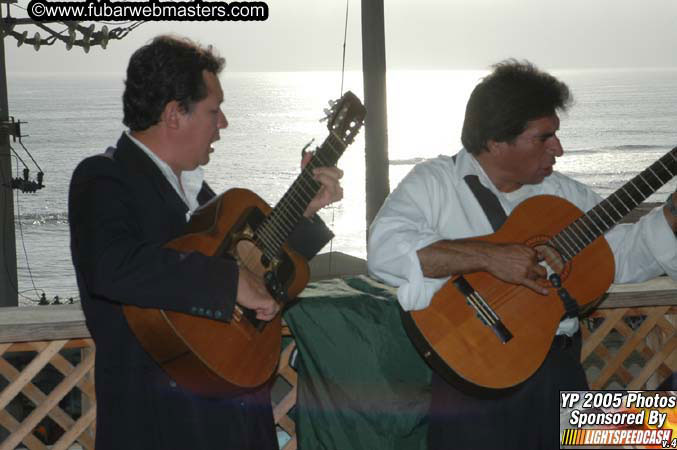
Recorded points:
630,338
629,341
48,348
47,360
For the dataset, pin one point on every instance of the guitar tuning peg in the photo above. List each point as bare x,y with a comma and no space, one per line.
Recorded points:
332,102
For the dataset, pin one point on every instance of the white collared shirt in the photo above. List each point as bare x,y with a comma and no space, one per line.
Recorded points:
433,202
191,180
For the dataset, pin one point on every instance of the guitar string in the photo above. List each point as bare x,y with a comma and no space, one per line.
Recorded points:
637,189
589,230
627,209
483,311
598,231
499,296
492,295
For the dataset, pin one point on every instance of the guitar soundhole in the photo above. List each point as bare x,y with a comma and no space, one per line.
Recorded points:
241,244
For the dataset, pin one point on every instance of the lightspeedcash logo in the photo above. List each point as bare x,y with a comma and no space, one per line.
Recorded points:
151,10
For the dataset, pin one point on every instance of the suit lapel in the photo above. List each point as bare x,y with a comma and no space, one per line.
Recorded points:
137,162
205,194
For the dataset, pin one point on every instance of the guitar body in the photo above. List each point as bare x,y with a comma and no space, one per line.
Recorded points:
211,357
463,349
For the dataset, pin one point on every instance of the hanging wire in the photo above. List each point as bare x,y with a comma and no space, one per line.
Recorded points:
29,154
16,155
23,243
345,39
343,71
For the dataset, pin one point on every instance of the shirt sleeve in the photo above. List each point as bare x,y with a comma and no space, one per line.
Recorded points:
404,225
644,250
309,236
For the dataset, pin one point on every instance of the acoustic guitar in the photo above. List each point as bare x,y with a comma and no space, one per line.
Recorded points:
483,334
211,357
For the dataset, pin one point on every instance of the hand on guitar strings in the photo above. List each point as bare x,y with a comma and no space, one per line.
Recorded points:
252,294
517,264
331,190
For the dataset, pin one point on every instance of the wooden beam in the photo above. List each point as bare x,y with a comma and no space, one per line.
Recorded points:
35,323
8,274
377,185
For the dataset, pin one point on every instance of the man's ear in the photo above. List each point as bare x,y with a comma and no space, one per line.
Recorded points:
171,114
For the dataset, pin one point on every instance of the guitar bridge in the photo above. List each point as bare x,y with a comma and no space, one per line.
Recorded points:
484,312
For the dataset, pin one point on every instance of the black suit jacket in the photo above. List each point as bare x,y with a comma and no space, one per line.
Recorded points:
122,210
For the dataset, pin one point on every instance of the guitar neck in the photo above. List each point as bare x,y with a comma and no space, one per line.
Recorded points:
600,219
279,224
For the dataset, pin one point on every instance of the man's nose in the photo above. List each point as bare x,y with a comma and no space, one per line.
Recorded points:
223,122
555,147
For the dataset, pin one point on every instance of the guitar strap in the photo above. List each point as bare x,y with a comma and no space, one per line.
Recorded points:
496,215
488,201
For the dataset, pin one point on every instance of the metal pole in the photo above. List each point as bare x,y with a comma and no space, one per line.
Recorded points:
8,275
376,123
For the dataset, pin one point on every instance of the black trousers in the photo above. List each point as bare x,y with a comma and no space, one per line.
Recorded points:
527,418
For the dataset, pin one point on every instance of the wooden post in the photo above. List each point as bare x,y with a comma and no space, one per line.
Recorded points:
8,276
376,124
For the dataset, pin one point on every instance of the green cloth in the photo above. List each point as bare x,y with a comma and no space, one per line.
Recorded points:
362,385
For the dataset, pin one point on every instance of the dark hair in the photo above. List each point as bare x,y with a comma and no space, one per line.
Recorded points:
168,68
505,100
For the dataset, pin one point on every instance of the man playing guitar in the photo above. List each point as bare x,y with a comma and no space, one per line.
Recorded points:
425,233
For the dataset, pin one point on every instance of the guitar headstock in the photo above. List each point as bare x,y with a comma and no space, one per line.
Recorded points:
345,117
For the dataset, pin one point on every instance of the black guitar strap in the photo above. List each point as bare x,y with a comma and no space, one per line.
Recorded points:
488,201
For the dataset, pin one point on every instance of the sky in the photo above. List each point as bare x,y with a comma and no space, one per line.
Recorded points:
420,35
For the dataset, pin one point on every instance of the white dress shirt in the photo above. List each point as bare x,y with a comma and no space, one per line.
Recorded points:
191,180
433,202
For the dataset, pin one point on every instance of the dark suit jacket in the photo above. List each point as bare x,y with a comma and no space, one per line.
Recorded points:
122,210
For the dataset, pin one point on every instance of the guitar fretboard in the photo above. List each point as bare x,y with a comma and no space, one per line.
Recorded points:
277,227
600,219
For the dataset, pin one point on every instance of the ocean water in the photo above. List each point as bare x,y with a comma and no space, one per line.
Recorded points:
622,121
